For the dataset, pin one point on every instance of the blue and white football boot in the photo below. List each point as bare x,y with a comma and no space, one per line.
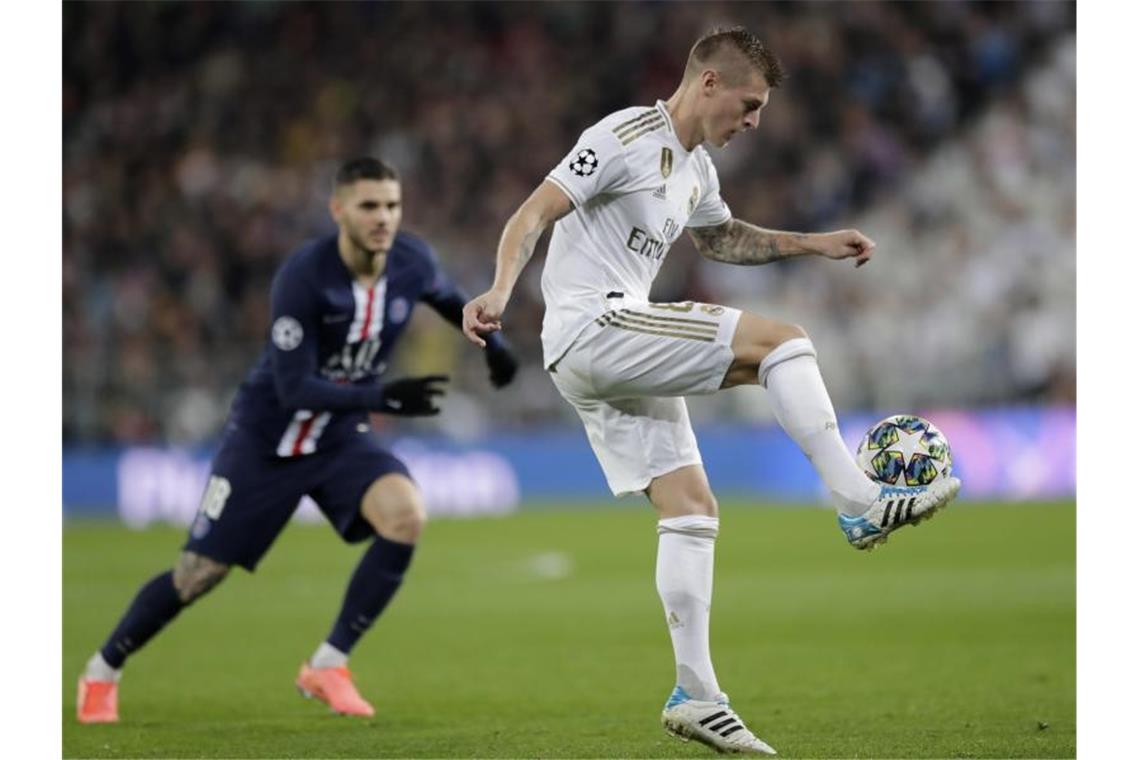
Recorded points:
712,723
895,507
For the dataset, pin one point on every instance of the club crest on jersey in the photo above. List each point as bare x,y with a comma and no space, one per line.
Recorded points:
666,162
354,362
287,333
398,310
696,196
584,163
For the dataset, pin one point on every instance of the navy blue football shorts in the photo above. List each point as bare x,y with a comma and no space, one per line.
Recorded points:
251,495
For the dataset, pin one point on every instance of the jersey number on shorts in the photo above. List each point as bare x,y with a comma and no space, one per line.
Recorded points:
686,306
214,499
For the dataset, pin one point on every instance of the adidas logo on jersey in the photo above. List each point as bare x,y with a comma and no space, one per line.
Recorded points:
659,193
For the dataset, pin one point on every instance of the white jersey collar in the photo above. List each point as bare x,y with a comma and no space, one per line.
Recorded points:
664,109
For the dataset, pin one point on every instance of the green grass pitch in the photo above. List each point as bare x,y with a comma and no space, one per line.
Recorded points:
541,635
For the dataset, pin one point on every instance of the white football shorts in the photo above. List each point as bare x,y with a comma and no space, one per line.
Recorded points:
626,375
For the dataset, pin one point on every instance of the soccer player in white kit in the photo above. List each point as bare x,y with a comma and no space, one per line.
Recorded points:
619,199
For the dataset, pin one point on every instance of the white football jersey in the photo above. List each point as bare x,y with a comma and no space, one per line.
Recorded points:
634,189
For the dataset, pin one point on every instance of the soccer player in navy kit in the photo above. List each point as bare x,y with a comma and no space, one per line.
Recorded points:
299,425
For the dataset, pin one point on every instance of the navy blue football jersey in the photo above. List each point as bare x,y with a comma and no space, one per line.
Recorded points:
330,340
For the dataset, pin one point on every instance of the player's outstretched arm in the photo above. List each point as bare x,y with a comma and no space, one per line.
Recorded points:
448,299
738,242
546,205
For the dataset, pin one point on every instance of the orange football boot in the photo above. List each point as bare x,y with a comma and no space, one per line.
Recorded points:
98,701
334,687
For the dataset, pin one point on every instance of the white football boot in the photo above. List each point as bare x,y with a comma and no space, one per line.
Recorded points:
895,507
712,723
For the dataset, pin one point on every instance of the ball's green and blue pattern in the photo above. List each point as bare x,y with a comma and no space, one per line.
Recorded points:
909,423
920,471
882,436
905,450
937,446
888,465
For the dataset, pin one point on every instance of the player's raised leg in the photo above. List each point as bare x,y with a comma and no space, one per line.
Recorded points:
687,531
394,509
781,358
157,603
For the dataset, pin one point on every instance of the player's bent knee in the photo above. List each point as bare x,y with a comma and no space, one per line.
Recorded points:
755,340
683,492
195,575
689,504
779,332
705,504
394,508
404,523
755,336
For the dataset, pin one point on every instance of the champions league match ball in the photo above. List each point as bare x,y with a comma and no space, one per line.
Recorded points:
905,450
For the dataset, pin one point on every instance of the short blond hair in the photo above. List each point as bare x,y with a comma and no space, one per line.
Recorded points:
734,42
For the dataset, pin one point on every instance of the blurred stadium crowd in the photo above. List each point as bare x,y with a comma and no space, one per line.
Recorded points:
200,140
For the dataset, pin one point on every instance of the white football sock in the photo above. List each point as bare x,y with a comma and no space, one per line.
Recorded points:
684,582
803,408
328,656
99,670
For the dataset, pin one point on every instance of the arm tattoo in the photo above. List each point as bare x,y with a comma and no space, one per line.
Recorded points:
194,575
737,242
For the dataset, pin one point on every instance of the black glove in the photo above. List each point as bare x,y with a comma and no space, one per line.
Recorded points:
502,363
412,396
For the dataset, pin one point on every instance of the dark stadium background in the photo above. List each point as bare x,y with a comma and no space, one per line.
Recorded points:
200,139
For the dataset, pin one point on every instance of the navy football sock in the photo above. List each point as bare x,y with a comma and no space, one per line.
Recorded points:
155,605
373,584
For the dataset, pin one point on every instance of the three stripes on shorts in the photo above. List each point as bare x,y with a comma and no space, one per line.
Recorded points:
656,324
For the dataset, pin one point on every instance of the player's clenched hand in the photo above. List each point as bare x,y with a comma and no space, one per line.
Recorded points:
845,244
482,315
412,396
